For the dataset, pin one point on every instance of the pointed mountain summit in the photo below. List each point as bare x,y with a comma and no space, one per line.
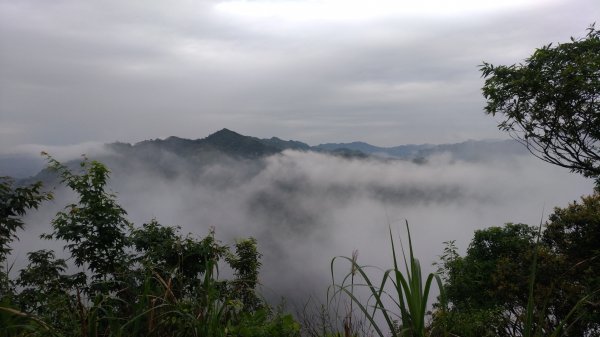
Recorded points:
233,143
224,133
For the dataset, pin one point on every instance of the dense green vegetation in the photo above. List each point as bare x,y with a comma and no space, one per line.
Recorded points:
488,289
144,281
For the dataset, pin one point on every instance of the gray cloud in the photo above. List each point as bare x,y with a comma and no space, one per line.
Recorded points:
102,71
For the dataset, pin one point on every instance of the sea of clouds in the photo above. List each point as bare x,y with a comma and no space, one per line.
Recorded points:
305,208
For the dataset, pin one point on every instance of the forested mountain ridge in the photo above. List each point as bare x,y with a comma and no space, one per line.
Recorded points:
226,143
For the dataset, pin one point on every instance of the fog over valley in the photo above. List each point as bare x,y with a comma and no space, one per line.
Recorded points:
306,204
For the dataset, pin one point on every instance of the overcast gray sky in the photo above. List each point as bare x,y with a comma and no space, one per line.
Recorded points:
383,71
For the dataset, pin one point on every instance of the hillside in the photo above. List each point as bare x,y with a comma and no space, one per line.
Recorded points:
162,154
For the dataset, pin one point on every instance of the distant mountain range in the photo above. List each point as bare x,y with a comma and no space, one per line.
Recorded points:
234,144
229,145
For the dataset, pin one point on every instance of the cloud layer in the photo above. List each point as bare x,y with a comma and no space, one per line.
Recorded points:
306,208
72,72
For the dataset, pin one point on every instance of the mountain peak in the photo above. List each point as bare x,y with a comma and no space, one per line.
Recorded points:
224,134
234,143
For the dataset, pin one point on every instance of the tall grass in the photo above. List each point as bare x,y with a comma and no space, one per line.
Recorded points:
407,291
14,322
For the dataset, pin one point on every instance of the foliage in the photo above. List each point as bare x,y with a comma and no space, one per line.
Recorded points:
508,284
146,281
573,235
94,228
408,293
14,202
486,288
45,289
182,260
494,255
245,262
265,322
17,323
551,104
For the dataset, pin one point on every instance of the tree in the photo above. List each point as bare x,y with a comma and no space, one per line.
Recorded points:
246,263
95,228
146,281
573,234
487,288
46,290
14,203
551,103
183,260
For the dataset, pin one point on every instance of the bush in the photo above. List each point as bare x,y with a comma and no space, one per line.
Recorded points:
146,281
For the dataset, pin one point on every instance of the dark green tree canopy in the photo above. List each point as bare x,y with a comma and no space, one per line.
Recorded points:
488,287
95,227
132,281
551,103
14,203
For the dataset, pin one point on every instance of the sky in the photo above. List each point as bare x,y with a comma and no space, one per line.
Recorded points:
381,71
